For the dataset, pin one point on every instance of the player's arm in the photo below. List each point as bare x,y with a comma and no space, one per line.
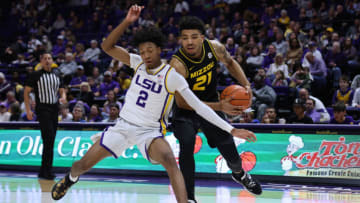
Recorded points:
109,44
234,67
178,83
223,105
62,94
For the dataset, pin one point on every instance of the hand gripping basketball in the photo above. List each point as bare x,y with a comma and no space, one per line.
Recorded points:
244,134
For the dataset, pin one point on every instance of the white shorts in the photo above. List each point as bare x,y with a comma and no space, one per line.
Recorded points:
122,135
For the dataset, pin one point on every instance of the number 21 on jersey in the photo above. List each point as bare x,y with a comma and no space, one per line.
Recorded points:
202,81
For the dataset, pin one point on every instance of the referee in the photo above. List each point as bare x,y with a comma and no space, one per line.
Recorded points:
46,85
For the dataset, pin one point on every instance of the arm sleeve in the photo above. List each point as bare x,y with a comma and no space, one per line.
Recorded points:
135,60
204,111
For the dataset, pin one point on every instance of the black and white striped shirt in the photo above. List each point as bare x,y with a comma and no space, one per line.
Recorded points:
46,86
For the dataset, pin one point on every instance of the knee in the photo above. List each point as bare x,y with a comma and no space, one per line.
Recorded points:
168,160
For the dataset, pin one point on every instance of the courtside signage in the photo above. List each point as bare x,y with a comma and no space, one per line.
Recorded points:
306,155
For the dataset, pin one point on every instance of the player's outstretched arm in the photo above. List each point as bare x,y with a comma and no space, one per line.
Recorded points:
234,67
109,44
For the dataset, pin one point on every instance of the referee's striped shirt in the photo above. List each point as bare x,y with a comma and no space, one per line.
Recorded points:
46,86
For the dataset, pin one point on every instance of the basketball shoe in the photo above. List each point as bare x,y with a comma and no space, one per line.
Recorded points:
249,183
60,188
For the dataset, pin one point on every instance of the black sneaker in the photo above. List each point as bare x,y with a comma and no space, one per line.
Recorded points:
249,183
60,188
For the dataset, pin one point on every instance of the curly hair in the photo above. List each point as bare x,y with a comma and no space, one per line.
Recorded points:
192,23
149,34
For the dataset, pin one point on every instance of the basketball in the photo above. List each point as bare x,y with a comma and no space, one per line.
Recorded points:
248,160
240,96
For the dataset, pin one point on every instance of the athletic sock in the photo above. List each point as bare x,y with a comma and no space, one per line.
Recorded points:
73,179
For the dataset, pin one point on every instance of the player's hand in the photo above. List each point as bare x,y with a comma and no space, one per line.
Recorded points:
230,109
29,115
248,88
133,13
244,134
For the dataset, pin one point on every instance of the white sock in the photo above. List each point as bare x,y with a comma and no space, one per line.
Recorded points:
73,179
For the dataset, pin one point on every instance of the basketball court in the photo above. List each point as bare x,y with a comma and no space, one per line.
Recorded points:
26,187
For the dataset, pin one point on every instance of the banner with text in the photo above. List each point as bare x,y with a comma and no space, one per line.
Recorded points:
307,155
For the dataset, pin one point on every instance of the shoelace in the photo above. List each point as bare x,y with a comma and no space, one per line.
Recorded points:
249,180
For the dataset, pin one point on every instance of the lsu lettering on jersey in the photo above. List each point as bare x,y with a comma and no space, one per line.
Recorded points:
149,99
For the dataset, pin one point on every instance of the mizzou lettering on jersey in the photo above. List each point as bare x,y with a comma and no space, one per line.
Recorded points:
201,75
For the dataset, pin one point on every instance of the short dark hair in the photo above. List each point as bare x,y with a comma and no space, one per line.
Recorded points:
192,23
339,106
114,105
149,34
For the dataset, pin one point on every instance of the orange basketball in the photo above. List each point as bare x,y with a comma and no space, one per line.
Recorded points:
248,160
239,95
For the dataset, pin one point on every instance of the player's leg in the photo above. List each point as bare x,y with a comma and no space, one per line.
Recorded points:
160,151
185,132
225,143
95,154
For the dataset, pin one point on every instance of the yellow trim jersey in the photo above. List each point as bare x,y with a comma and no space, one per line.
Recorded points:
149,99
201,74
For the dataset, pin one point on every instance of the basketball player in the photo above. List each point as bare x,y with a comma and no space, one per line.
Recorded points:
143,117
196,60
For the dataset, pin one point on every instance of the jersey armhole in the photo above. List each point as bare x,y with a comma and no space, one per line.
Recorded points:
166,79
137,67
186,68
212,49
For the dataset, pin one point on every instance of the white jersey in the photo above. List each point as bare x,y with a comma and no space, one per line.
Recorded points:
149,99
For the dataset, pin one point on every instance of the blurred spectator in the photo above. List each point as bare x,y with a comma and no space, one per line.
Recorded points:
344,93
115,66
64,114
230,46
301,77
79,52
270,116
318,72
5,87
86,95
78,113
10,99
8,56
335,61
340,114
124,79
181,7
93,86
110,99
20,60
269,56
276,66
311,112
316,53
68,68
263,96
47,43
248,116
78,78
255,59
262,73
300,116
114,113
59,47
280,44
15,112
319,106
92,53
294,53
97,76
280,80
284,19
59,22
95,114
109,84
4,113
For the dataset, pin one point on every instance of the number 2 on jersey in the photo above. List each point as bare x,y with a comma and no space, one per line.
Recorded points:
200,82
142,98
